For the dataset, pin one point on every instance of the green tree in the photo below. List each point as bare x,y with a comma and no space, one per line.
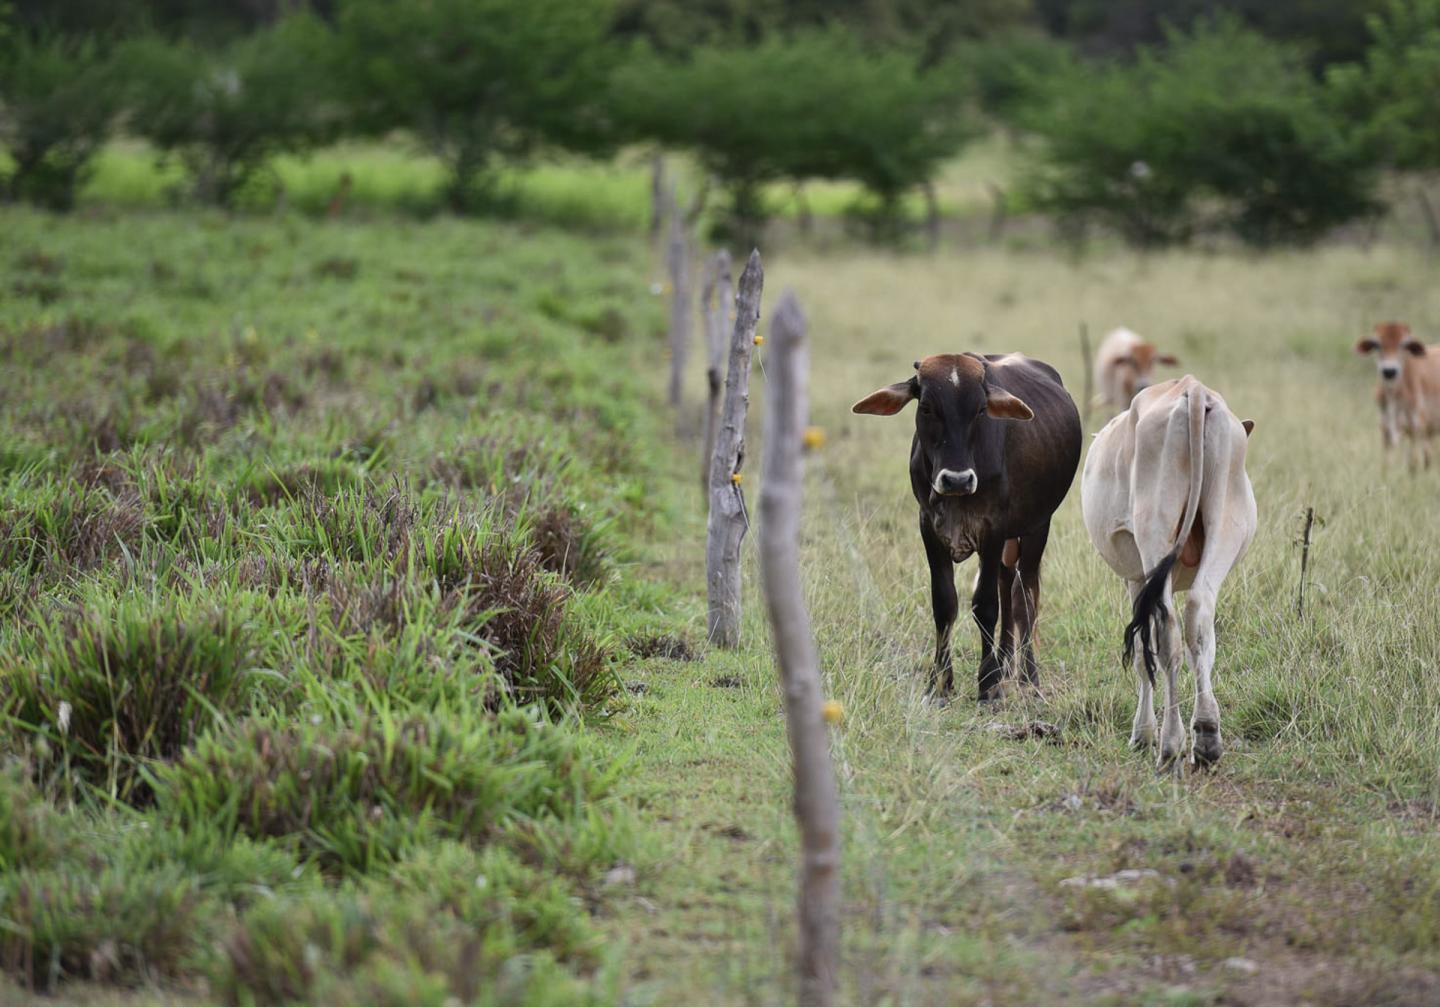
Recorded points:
1220,130
816,105
57,105
226,113
1394,94
480,81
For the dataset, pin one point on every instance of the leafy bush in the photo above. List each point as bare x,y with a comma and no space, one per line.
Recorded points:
818,105
478,81
1013,71
225,113
1222,130
58,102
120,683
1391,95
357,795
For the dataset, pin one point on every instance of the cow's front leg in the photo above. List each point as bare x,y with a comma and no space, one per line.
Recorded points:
985,606
946,606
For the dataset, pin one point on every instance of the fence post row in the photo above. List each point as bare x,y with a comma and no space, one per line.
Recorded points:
678,258
715,302
816,805
728,521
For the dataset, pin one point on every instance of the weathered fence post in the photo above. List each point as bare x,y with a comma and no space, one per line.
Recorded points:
679,261
715,303
1088,370
817,808
657,196
728,521
1304,561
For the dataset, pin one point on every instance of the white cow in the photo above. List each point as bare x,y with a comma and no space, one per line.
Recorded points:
1169,507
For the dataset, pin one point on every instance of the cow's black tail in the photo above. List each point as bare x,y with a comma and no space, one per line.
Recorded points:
1149,611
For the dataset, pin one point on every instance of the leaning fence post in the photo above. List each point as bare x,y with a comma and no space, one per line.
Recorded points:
715,304
1088,369
728,521
679,257
817,810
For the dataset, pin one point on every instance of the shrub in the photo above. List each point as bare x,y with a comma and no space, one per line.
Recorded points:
817,105
478,81
1391,95
1014,70
225,113
359,795
58,100
120,683
1222,130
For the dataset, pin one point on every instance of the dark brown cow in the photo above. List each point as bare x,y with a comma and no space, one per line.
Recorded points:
997,442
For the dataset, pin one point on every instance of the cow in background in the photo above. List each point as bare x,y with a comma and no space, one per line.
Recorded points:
1409,390
1169,507
1125,366
996,446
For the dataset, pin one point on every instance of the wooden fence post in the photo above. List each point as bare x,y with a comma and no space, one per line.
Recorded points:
1088,371
728,521
817,808
715,302
657,196
679,261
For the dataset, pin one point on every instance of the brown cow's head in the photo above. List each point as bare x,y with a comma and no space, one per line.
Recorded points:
1137,368
957,405
1391,343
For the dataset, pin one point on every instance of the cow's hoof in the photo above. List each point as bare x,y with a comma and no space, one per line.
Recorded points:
936,701
1208,747
1142,737
997,692
1171,760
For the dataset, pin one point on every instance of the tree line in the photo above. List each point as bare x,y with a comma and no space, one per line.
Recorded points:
1233,121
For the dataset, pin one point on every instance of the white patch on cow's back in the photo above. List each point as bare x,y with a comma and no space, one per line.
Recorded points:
955,376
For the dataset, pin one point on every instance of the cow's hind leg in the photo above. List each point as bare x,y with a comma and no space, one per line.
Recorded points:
1027,599
1172,728
945,604
1142,727
1221,554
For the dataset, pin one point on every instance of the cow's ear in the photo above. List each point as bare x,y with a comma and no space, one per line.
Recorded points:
1003,406
889,400
1414,347
1168,359
1367,345
1249,426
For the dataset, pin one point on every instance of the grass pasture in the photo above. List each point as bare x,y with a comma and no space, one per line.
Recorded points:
1302,871
368,573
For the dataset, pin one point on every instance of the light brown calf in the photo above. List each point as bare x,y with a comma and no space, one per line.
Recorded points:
1125,366
1169,507
1409,390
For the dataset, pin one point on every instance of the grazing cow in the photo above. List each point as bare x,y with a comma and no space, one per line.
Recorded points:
997,443
1125,366
1169,507
1409,389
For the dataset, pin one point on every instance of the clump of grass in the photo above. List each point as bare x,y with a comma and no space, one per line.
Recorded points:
373,948
112,924
122,682
57,527
358,795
